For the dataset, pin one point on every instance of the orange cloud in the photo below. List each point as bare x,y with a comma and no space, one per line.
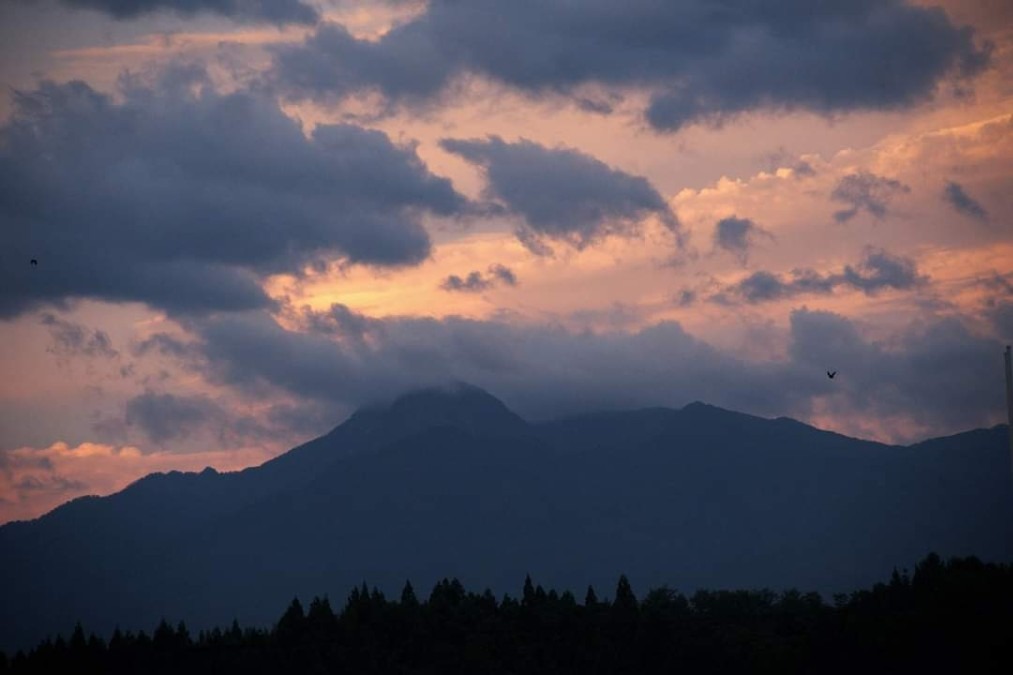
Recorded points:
36,480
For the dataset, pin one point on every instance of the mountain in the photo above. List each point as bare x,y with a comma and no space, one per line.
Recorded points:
449,482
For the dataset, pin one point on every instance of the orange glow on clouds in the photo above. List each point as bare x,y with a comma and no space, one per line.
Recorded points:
36,480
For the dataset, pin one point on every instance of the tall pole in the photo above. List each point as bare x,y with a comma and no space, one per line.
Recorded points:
1009,402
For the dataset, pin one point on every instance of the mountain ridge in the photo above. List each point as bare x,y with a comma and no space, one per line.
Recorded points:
696,497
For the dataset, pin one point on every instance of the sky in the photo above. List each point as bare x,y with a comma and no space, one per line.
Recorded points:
251,217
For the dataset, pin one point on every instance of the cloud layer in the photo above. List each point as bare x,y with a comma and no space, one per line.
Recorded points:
700,61
346,359
184,198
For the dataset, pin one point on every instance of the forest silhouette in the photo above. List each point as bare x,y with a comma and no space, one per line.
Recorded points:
953,616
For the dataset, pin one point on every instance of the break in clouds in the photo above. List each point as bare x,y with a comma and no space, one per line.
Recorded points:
699,61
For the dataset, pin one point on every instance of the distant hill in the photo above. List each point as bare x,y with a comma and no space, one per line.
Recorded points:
449,482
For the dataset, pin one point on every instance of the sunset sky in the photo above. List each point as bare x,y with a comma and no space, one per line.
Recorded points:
253,216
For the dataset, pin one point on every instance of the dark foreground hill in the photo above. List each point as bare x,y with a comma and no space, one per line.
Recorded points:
451,483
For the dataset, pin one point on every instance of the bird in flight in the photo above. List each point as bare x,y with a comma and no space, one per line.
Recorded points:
831,373
33,262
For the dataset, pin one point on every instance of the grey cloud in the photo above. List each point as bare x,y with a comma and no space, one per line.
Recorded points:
164,344
503,274
956,197
49,483
941,374
772,161
997,285
934,374
562,194
878,270
1000,313
186,200
475,281
172,421
164,417
542,370
686,297
340,320
737,235
273,11
73,339
700,61
864,191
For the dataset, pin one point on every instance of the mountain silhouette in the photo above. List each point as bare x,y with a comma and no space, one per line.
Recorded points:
449,482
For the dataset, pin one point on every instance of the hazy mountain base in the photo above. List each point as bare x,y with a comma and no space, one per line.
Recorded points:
451,482
954,617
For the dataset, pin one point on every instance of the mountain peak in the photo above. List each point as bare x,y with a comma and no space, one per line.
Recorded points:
460,405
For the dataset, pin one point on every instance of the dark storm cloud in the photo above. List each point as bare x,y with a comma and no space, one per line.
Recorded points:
955,195
476,282
737,235
164,417
562,194
73,339
933,373
184,198
701,61
864,191
273,11
877,271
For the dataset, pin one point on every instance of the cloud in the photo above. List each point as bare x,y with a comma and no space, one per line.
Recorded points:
164,417
878,270
699,62
35,480
937,373
864,191
73,339
737,235
184,198
475,281
909,383
273,11
964,203
562,194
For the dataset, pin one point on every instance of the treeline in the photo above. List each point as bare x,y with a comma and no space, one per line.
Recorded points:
955,616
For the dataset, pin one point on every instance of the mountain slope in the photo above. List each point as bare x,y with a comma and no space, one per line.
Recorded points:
450,482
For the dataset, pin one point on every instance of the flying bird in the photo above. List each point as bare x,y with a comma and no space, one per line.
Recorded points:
831,373
33,262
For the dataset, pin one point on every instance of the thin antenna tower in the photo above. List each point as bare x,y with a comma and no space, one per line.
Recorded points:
1009,402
